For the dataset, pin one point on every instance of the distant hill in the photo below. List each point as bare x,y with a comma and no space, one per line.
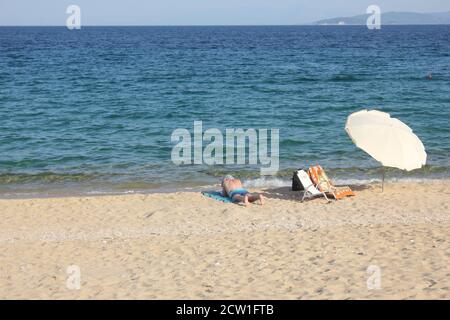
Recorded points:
392,18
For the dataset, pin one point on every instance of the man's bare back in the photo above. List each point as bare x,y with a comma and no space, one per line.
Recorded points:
233,189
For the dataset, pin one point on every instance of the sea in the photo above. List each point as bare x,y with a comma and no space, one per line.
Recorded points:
93,111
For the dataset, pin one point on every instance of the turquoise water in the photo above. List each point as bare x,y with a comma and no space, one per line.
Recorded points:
92,110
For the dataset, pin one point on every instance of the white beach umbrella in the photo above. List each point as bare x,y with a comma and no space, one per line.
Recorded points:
386,139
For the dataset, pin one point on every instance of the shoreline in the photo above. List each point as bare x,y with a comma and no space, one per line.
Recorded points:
258,183
183,245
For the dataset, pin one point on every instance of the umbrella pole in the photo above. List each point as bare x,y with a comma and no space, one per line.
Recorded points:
382,180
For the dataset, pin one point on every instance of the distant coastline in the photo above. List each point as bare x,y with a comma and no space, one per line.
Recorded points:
392,18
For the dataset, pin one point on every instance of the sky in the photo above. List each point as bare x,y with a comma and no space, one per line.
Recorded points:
199,12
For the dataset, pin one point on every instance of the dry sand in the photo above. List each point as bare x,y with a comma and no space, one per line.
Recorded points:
184,245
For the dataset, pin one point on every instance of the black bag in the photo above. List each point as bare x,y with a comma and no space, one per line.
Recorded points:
296,184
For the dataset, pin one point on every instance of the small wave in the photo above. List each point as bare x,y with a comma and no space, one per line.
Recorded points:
266,182
344,78
355,182
293,142
303,79
45,177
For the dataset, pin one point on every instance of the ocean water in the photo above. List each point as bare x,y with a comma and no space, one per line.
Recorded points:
93,110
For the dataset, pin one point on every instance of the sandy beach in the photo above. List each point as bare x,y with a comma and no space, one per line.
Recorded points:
184,245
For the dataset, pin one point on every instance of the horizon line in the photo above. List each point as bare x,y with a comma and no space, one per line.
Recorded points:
225,25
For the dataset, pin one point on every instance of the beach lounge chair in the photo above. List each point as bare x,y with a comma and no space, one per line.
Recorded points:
310,191
324,184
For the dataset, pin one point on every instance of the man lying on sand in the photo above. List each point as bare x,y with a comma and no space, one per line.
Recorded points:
233,188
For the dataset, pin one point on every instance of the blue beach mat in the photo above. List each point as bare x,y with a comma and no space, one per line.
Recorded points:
216,195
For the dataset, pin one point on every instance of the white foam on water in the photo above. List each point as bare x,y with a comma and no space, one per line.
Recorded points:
267,182
415,179
355,182
273,182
